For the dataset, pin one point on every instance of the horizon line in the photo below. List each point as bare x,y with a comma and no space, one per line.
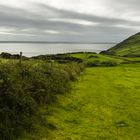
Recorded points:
58,42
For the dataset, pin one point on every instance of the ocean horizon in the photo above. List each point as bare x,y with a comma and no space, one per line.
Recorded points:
41,48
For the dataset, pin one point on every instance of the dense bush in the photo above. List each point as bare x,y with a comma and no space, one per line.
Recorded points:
102,63
60,58
93,63
23,89
109,63
11,56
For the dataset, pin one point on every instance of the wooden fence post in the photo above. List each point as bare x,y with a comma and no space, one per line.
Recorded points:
20,58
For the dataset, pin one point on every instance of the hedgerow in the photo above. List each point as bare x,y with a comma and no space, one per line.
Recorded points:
25,88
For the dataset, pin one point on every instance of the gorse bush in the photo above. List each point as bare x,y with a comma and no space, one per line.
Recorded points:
23,89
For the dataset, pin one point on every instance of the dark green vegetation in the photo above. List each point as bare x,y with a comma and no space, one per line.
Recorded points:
128,48
11,56
60,58
26,88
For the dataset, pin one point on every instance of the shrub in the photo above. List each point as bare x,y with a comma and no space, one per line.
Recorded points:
94,63
93,56
16,107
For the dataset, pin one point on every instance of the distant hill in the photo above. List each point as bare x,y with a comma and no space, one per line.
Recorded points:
128,48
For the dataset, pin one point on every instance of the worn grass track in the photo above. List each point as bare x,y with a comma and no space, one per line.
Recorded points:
103,105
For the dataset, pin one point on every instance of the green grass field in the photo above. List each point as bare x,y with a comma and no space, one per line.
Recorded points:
103,105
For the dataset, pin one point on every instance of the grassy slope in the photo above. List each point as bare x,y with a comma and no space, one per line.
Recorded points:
93,110
104,104
129,47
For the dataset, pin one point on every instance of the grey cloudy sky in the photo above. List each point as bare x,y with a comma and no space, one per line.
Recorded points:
69,20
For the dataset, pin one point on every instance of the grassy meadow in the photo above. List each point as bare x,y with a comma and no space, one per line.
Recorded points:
103,105
78,96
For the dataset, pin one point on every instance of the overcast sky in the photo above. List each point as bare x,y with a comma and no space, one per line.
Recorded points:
69,20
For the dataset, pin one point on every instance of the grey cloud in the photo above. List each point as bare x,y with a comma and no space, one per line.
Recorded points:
37,21
131,4
74,15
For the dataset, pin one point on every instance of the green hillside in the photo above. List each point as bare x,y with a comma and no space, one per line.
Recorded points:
129,47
